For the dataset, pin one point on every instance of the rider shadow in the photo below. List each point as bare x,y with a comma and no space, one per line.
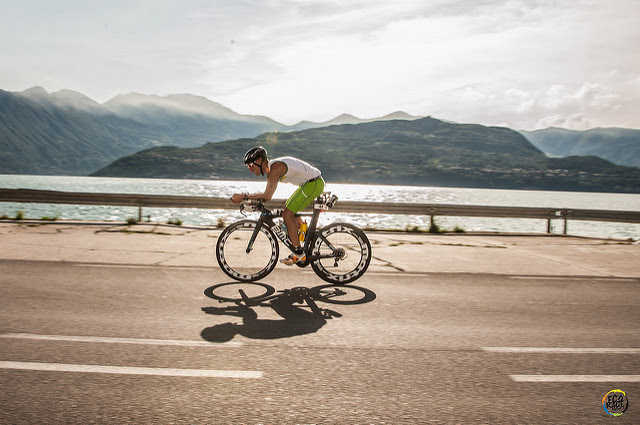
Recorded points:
296,321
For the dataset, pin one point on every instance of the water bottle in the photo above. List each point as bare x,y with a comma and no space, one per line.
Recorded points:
303,231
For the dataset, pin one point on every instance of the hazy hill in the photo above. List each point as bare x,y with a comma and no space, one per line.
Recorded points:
618,145
67,99
349,119
419,152
67,133
189,120
47,134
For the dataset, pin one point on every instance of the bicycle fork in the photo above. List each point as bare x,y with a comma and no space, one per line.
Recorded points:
255,233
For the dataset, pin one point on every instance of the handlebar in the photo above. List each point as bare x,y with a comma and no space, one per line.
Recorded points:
253,206
323,202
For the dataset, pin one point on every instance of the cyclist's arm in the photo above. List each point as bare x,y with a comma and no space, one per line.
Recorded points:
273,177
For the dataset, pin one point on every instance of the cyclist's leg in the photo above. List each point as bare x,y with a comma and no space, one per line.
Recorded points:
300,199
292,226
304,195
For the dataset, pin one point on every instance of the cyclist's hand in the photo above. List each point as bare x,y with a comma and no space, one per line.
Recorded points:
237,198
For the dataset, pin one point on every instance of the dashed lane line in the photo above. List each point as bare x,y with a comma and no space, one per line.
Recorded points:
112,340
568,350
575,378
578,278
125,370
561,350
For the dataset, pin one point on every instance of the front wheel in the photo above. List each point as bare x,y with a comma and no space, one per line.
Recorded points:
246,254
343,253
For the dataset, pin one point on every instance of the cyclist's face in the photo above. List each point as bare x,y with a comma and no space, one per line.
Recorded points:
255,168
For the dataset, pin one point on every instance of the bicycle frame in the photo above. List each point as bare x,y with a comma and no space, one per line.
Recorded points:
266,219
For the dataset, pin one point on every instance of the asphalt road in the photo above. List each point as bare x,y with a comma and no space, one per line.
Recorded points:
98,343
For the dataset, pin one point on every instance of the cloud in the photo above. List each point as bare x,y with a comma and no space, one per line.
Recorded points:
522,63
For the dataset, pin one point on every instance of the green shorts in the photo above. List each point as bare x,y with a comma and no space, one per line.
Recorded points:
304,195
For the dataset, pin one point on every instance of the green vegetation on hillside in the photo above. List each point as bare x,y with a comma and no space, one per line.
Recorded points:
421,152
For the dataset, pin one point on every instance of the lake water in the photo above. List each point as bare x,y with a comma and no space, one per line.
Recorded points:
351,192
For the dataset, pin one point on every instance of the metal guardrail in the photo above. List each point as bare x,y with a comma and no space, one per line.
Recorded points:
432,210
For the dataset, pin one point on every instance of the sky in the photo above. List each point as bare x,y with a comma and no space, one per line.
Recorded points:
524,64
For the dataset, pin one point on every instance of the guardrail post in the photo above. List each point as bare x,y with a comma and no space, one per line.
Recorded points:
565,214
432,219
139,213
558,214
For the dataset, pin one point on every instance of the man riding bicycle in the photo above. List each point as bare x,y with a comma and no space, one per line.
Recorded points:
288,170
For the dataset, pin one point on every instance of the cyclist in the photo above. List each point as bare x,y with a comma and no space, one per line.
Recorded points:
285,169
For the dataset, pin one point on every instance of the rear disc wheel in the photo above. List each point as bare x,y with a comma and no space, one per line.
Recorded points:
346,251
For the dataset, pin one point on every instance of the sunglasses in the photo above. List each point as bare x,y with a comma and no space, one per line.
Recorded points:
253,163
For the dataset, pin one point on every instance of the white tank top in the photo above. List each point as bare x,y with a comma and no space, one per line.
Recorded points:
298,172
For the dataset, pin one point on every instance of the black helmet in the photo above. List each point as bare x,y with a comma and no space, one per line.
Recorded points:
255,153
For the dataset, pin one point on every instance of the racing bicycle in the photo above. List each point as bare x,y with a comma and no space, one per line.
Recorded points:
248,250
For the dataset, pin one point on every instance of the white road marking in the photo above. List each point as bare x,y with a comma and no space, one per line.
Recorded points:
109,340
576,378
579,278
548,277
123,370
567,350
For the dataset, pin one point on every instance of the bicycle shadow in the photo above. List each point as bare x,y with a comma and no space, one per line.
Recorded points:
296,321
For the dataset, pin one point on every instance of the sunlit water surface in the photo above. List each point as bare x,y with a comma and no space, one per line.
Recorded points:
377,193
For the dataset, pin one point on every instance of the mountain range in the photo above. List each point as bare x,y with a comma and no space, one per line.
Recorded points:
67,133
